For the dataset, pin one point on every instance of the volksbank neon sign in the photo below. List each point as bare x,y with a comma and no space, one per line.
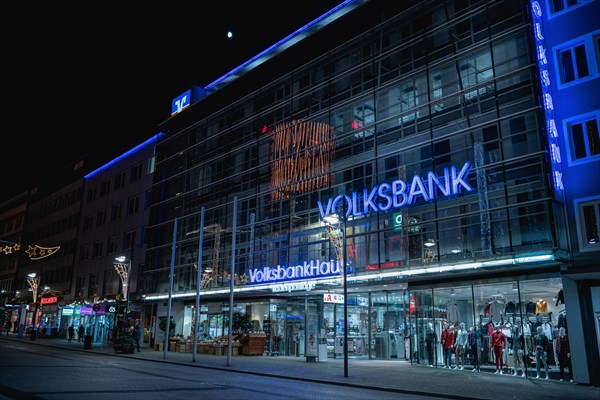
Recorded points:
398,194
307,270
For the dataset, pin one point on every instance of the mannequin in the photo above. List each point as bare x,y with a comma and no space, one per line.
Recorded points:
518,344
498,345
475,341
430,339
461,344
447,344
540,341
564,353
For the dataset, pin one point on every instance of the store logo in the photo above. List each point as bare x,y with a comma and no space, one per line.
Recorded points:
399,194
307,270
181,102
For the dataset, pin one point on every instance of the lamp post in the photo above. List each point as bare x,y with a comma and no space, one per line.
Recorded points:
34,281
331,220
123,267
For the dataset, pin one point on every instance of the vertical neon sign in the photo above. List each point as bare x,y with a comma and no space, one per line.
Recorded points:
551,128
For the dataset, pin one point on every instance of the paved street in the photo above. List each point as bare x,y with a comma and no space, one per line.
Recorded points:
387,375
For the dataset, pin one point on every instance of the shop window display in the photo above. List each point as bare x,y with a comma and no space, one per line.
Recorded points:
492,327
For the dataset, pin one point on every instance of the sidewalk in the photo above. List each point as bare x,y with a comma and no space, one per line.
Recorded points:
390,375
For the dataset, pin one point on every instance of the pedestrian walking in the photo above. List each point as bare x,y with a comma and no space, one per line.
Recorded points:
80,332
71,333
136,334
7,325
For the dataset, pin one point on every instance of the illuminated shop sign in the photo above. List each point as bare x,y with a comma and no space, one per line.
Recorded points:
307,270
551,128
399,194
333,298
67,311
49,300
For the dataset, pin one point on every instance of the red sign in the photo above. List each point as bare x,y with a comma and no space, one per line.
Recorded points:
49,300
387,264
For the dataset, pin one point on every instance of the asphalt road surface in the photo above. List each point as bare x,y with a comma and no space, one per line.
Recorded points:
40,372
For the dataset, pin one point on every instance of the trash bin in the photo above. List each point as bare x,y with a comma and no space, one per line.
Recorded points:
87,342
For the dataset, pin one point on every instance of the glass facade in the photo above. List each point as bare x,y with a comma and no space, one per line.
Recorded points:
426,133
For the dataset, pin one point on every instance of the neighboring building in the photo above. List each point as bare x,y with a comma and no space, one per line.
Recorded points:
12,222
114,215
48,249
429,124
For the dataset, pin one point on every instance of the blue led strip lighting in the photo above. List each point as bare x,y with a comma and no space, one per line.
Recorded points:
128,153
211,86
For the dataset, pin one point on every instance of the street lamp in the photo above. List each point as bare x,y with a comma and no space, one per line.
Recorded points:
123,267
34,281
333,219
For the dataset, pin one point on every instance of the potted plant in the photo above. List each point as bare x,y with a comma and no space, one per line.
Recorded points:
241,324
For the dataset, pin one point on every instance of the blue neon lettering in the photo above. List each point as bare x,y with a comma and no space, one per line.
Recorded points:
434,181
383,192
387,196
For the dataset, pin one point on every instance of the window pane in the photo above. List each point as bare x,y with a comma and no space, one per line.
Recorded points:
593,137
581,58
591,223
578,141
567,65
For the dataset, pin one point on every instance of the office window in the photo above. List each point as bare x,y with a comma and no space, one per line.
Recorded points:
557,6
151,164
98,249
79,284
474,71
120,179
87,223
84,252
588,223
577,59
136,172
104,188
91,195
133,205
584,139
112,244
128,240
93,286
116,211
100,217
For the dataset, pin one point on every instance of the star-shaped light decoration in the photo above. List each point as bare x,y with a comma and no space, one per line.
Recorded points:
38,252
9,249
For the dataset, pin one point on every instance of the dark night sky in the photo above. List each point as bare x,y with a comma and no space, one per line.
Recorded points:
99,79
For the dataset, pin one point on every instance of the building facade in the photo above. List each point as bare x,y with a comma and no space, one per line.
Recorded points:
429,128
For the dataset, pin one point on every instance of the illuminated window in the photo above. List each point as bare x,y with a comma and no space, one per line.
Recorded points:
577,60
588,223
584,139
557,6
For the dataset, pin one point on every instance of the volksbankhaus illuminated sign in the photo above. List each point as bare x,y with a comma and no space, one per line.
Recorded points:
307,270
398,194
